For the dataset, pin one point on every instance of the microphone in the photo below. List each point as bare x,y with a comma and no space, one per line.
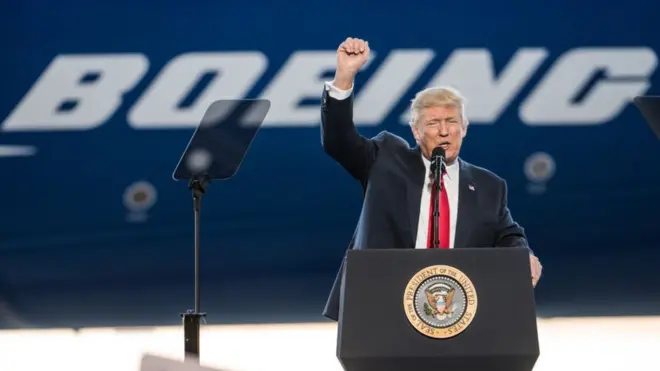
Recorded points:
437,168
437,163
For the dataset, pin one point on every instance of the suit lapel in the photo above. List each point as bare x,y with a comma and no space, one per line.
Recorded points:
467,201
414,189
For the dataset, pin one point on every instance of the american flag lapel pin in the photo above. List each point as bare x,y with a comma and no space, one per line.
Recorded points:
471,187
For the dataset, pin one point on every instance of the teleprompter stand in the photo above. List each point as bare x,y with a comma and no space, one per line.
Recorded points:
192,318
215,152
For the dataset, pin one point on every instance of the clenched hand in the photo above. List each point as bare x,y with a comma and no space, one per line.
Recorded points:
352,54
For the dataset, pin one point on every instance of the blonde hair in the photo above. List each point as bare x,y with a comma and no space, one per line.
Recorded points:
443,96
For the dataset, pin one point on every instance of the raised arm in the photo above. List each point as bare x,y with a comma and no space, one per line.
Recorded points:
340,138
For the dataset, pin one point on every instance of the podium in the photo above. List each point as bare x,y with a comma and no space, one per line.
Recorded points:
468,309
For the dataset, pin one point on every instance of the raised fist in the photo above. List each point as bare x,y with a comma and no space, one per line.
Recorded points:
352,54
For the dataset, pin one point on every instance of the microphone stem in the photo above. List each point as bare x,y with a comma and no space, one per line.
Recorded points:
438,169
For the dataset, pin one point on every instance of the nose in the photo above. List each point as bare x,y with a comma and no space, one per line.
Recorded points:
443,130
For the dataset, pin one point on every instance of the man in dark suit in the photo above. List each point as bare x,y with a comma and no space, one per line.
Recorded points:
396,178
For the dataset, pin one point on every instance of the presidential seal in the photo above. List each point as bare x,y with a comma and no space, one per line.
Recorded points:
440,301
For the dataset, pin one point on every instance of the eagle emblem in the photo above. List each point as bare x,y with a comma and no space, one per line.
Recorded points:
440,301
439,304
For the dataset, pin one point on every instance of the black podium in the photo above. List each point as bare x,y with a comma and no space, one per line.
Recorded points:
458,309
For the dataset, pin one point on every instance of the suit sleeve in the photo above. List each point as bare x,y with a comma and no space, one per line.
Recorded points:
509,233
340,138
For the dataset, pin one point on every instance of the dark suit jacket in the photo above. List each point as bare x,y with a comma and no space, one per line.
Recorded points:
392,177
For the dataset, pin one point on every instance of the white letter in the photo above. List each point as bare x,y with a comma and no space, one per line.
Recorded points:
77,92
626,71
159,107
299,78
388,84
471,71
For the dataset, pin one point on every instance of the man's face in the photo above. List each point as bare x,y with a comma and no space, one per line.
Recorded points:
440,127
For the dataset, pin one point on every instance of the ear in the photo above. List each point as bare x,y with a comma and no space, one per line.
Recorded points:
415,131
465,129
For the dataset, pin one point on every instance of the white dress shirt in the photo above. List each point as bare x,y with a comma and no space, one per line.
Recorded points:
450,179
451,185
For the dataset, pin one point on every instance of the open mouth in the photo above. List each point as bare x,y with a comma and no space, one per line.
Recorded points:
444,145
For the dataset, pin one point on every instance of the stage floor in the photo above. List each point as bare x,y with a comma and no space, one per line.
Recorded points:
567,344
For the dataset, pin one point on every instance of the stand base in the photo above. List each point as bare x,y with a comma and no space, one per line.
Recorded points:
191,322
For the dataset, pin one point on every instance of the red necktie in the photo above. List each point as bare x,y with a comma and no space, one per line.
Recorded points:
443,226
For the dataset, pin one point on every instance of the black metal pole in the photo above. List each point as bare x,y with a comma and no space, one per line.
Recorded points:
192,318
197,199
436,189
436,213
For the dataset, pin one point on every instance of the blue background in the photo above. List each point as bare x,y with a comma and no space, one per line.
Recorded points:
273,237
